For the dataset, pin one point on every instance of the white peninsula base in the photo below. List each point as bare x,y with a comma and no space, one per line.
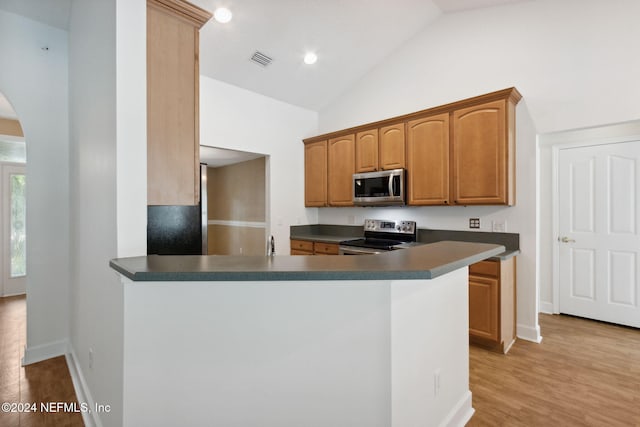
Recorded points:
380,353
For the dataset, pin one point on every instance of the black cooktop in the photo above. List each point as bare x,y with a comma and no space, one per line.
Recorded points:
373,243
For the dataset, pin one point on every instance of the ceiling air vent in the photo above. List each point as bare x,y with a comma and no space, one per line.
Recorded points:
261,59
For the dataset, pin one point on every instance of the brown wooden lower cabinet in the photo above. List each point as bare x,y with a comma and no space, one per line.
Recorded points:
299,252
320,248
492,304
306,247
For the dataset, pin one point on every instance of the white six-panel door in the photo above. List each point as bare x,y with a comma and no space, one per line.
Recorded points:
599,240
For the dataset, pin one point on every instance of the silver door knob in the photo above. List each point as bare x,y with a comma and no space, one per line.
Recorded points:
565,240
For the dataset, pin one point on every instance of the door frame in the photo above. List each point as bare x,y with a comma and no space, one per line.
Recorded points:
600,135
7,168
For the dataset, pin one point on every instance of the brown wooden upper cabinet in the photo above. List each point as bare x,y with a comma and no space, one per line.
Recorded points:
484,154
340,170
315,174
172,102
367,151
460,153
392,147
380,149
428,160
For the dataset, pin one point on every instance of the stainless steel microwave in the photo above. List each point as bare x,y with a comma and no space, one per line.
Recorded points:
382,188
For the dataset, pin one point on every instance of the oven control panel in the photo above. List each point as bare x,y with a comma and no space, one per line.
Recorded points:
386,226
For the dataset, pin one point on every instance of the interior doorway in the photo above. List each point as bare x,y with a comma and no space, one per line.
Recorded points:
238,202
599,240
13,263
596,215
14,237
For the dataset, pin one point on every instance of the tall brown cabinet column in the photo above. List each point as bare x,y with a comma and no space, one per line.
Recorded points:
172,102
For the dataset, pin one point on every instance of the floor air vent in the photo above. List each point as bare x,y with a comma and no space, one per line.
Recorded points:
261,59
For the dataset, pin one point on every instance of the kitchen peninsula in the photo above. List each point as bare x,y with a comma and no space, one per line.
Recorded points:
377,340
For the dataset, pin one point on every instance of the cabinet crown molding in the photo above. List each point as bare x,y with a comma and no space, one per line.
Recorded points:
510,94
183,9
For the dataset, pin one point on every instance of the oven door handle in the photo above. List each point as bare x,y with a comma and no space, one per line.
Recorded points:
352,250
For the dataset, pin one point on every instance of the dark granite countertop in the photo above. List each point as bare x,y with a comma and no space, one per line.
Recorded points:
421,262
327,233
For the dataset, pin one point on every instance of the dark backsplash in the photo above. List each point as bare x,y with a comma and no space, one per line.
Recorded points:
511,241
347,231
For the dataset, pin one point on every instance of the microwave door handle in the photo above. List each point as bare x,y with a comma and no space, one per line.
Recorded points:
390,185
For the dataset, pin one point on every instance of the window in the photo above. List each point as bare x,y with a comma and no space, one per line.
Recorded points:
13,151
18,241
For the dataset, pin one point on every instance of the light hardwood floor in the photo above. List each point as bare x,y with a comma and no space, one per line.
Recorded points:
584,373
47,381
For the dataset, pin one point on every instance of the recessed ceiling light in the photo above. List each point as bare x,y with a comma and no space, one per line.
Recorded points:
222,15
310,58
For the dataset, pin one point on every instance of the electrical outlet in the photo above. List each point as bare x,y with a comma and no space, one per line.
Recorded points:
90,358
474,222
436,382
499,226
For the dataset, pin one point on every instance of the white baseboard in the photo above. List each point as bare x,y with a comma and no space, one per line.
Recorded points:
13,294
528,333
546,307
83,394
461,413
42,352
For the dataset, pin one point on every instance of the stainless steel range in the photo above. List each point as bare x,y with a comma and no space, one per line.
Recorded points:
381,236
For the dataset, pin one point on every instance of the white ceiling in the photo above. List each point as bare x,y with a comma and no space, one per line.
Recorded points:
350,38
217,157
51,12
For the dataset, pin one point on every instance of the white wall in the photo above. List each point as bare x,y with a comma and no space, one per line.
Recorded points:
35,82
131,133
238,119
108,182
570,60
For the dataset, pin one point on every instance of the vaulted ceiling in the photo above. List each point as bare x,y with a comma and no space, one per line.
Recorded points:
350,37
